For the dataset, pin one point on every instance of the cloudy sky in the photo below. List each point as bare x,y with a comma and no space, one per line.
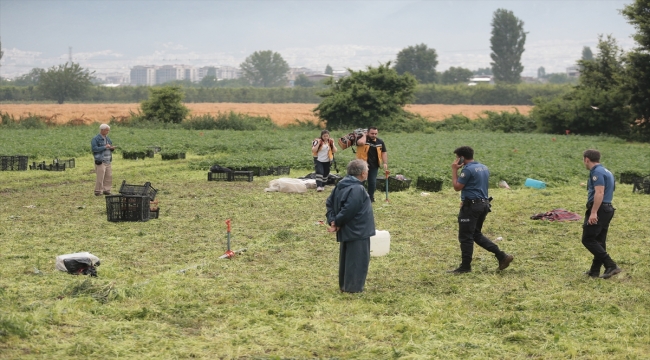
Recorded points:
114,35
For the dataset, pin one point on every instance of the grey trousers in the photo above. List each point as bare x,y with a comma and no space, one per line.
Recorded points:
354,259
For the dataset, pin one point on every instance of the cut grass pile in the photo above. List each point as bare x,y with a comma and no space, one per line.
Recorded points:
162,292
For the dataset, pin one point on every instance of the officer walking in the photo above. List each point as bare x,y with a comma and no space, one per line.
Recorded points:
600,192
473,186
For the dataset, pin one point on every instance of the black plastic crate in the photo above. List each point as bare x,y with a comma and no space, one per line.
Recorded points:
55,167
13,163
642,185
141,190
153,214
393,184
172,156
280,170
257,170
127,208
134,155
38,166
219,176
428,184
69,163
240,176
629,177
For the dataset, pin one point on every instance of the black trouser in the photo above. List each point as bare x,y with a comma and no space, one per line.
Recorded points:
354,259
322,170
372,181
594,237
470,224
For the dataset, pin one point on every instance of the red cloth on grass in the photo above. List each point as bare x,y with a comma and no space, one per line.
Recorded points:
557,215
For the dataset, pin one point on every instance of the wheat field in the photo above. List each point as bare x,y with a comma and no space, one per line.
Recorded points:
281,114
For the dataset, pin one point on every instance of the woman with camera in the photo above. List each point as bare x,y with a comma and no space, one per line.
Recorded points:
323,150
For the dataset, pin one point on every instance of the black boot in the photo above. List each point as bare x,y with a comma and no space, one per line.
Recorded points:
594,271
460,270
611,268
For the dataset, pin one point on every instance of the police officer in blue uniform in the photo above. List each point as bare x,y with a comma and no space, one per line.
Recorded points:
473,186
600,192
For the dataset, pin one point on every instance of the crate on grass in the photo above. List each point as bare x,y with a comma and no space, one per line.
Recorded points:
69,163
172,156
134,155
240,176
642,185
141,190
394,184
280,170
153,214
127,208
55,167
13,163
219,176
428,184
257,170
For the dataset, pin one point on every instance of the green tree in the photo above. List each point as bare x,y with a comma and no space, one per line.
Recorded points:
329,70
597,104
29,79
1,51
558,78
63,82
419,61
265,69
165,104
208,81
366,98
541,72
587,54
507,44
638,68
455,75
303,81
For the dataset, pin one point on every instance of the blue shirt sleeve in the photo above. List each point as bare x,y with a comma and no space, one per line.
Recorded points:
464,176
598,179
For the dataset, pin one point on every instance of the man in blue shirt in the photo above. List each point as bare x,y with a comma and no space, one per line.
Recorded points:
473,185
600,192
102,148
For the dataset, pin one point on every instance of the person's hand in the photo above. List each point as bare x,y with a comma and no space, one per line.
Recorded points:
385,167
332,228
593,219
455,166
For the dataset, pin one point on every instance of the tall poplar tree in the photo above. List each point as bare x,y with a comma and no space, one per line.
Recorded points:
507,44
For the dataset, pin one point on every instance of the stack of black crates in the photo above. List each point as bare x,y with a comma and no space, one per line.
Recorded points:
133,203
13,163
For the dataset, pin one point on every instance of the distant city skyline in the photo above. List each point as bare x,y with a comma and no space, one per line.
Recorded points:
112,36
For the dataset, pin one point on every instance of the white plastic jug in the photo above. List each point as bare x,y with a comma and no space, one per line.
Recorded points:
380,243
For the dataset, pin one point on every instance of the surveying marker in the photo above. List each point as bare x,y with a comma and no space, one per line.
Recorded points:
229,254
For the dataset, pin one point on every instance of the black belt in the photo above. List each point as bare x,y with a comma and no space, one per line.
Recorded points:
475,201
591,203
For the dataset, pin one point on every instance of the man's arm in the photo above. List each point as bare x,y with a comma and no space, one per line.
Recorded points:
350,206
454,176
362,140
384,159
599,194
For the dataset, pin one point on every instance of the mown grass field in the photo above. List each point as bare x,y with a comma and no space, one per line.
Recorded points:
281,114
162,292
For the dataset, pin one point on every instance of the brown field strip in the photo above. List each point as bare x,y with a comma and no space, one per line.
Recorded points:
281,114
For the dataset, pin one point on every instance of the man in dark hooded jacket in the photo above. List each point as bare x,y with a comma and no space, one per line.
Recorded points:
349,214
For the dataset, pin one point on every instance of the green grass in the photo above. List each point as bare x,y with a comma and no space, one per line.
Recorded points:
162,292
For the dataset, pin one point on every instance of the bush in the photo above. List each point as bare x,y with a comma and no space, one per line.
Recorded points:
507,122
228,121
165,105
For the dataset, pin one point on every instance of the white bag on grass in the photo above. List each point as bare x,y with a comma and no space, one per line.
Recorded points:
289,185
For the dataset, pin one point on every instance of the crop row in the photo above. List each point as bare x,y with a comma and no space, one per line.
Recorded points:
510,157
